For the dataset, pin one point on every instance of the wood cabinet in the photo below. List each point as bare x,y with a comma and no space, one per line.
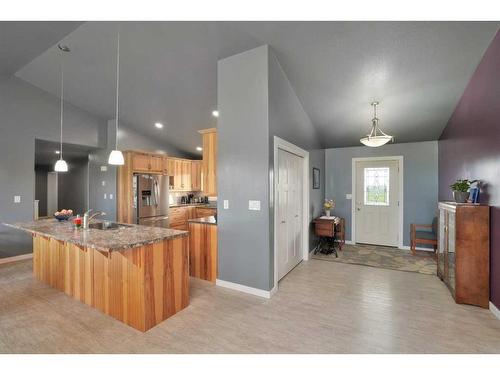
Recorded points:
185,174
144,162
209,168
203,251
464,251
178,217
204,211
196,166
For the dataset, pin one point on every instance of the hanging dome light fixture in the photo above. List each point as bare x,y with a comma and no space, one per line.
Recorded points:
61,165
116,156
377,137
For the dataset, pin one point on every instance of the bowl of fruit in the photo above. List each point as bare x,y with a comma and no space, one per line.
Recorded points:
63,215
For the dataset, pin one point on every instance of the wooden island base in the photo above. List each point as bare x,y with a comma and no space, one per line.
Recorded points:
141,286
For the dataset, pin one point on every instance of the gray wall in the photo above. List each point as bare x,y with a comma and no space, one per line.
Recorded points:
129,139
41,189
256,102
243,169
27,113
72,187
420,180
316,196
97,189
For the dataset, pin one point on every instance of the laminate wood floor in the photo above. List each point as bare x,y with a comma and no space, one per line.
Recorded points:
321,307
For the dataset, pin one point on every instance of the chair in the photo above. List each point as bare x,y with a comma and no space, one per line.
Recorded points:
428,236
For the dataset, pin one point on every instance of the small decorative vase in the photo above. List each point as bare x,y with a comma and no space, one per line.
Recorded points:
460,196
327,213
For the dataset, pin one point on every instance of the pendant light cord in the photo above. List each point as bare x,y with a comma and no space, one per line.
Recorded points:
62,102
117,89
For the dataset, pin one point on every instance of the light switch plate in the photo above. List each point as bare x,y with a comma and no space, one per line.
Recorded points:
226,204
348,196
103,183
17,199
104,168
254,205
105,196
110,196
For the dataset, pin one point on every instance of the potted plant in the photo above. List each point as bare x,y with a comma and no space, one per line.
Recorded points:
328,205
461,190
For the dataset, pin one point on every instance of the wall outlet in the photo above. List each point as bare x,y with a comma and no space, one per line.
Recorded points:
105,196
103,183
17,199
226,204
348,196
254,205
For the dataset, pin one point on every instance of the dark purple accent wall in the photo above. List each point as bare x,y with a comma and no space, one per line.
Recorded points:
469,147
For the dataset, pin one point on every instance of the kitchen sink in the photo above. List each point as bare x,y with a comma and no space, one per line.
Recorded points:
107,225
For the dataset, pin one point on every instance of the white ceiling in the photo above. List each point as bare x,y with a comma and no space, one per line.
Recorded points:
417,70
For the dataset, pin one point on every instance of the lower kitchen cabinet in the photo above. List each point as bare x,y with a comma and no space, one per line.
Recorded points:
203,251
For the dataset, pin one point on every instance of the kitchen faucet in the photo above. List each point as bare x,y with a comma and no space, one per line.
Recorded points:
87,217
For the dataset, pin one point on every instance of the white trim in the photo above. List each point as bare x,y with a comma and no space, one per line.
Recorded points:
349,242
417,248
494,310
245,289
16,258
290,147
400,160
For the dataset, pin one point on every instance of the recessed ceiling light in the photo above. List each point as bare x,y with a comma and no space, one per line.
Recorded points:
159,125
215,113
57,152
199,148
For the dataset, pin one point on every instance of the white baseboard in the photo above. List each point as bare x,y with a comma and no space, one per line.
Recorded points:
245,289
349,242
16,258
417,248
494,310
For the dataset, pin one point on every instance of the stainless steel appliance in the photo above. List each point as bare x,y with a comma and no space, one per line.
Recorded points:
150,200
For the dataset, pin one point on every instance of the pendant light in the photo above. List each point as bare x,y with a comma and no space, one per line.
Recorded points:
116,156
61,165
376,137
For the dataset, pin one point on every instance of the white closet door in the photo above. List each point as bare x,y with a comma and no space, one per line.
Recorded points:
289,205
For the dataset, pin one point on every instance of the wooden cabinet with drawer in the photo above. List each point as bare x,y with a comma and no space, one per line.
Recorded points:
204,211
178,217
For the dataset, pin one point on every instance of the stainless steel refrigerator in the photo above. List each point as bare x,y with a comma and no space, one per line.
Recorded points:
150,200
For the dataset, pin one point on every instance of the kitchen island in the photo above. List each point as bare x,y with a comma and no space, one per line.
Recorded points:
136,274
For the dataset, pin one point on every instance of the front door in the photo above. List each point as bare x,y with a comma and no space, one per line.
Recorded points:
290,211
377,202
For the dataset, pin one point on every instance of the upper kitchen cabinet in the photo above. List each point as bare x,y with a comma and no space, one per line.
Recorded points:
185,174
209,165
196,166
145,162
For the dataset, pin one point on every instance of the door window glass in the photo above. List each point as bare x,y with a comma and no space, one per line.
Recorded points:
376,186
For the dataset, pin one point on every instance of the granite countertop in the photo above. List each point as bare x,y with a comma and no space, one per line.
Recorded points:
122,238
210,220
204,205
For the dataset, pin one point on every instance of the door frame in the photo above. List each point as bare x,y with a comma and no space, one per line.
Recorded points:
400,160
280,143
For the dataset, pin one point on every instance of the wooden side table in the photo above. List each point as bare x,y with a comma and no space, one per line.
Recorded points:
330,234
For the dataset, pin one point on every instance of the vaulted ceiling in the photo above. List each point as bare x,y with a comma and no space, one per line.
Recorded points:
416,70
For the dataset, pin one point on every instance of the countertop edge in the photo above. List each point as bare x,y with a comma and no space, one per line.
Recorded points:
98,248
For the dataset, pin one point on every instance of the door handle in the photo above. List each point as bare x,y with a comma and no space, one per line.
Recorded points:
296,215
283,222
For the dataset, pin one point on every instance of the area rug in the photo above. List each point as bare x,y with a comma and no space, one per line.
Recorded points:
384,257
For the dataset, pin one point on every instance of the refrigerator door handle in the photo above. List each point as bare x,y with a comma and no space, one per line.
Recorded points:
156,191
